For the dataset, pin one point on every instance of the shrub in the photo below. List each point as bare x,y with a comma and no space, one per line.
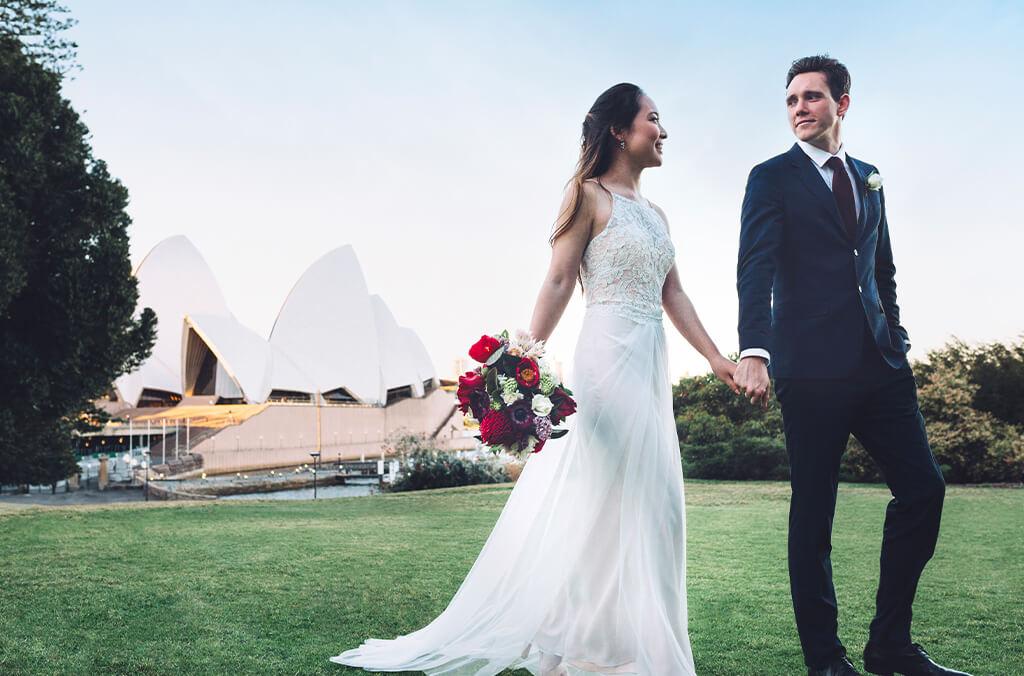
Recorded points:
722,436
971,446
972,399
425,467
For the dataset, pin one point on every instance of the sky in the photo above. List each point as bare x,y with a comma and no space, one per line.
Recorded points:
436,138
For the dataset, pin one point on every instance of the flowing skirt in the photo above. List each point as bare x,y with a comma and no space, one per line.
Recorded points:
587,560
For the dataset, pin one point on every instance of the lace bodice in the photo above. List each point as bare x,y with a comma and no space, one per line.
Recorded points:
624,267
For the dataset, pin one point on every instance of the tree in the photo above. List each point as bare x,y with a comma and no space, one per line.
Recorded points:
67,295
37,24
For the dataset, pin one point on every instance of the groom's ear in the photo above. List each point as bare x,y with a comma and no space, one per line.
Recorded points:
843,105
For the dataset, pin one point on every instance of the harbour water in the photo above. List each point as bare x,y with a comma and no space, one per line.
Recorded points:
351,489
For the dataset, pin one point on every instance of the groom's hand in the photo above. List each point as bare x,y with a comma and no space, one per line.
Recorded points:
752,378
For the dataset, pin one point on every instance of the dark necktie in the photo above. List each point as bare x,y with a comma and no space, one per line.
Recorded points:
843,192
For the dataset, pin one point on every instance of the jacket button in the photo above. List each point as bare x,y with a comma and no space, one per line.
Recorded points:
856,253
860,290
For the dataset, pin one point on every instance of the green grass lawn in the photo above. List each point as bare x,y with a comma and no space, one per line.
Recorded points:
278,587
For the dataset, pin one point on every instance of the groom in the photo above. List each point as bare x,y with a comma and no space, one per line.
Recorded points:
818,303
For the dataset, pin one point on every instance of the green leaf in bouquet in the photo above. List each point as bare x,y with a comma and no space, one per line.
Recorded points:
558,432
495,356
491,384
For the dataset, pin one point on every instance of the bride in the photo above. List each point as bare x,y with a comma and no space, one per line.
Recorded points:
585,570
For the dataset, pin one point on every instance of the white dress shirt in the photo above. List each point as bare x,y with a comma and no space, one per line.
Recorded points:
819,157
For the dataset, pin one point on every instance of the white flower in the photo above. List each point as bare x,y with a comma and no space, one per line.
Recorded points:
523,344
511,397
541,405
874,181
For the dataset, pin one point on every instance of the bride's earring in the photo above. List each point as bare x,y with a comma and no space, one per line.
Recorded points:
622,145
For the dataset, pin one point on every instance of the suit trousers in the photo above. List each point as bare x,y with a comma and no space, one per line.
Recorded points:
878,405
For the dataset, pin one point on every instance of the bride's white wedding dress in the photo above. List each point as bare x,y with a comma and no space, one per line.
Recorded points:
586,563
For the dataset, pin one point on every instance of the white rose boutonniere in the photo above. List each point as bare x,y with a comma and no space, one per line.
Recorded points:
874,181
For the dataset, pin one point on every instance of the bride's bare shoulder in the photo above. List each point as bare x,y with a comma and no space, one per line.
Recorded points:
598,202
596,194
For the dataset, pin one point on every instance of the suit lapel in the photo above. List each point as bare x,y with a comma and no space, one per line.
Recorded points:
862,190
813,181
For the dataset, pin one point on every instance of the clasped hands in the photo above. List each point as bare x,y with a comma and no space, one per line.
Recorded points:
749,378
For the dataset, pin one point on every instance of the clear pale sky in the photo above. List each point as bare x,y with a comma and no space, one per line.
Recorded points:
436,139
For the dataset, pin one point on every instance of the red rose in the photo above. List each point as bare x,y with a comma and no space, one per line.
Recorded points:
484,348
471,380
468,383
497,429
471,394
527,373
564,405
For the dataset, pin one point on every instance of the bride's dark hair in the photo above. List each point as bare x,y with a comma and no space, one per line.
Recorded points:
615,108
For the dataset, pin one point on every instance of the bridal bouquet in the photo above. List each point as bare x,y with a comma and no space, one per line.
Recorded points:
513,394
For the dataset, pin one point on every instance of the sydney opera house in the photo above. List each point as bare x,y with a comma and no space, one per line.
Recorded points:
337,375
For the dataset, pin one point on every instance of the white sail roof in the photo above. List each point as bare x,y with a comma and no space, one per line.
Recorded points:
419,355
326,326
243,353
397,363
330,333
173,279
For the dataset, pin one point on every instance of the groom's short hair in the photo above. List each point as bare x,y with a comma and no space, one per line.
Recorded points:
836,75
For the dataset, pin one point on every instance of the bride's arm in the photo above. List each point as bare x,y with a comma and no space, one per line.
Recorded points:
684,317
560,281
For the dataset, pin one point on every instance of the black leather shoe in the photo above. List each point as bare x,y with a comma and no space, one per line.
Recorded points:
840,667
911,661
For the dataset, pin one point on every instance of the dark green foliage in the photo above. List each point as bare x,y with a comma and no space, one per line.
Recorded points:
67,295
426,470
996,369
425,467
971,444
36,24
722,436
972,399
857,465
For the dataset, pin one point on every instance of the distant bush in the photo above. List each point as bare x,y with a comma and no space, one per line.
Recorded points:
722,436
996,371
972,445
972,399
425,469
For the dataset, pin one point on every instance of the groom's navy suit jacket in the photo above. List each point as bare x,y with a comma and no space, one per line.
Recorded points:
809,294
